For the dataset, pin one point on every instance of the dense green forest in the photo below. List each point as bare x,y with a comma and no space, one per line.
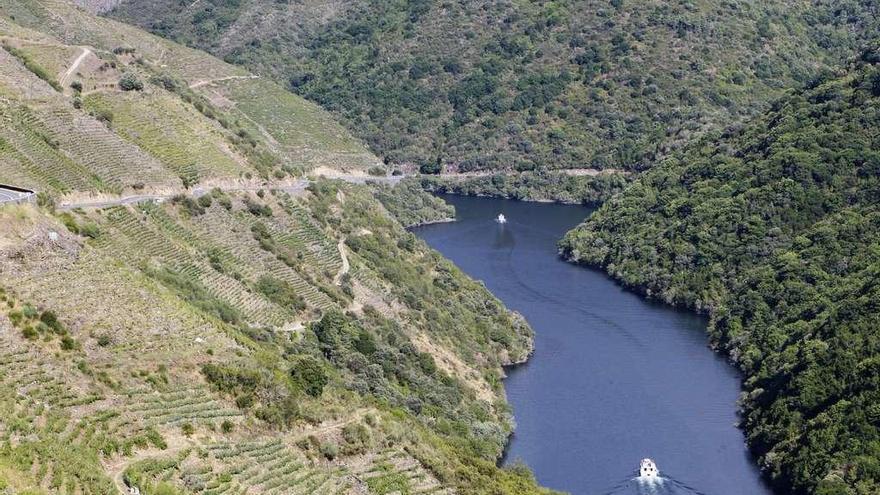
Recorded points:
774,230
537,185
500,84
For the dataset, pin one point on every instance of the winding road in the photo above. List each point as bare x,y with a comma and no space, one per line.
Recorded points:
8,195
295,188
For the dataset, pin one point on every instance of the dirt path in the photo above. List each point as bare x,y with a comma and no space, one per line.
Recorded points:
345,265
65,79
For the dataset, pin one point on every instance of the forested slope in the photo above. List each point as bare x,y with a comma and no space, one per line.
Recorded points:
774,229
500,84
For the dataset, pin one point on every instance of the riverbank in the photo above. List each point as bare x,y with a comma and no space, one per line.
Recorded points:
613,377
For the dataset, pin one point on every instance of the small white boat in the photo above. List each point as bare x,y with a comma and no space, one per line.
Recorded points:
500,218
647,469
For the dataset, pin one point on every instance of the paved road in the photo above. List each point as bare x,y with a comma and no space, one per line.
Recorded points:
11,196
295,188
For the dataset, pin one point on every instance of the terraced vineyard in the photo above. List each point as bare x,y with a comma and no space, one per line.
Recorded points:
299,232
18,83
144,241
74,26
274,467
89,142
303,134
395,471
38,404
248,258
31,158
183,140
54,58
175,406
300,129
270,467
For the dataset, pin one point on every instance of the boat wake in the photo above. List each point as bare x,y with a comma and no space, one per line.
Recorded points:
661,485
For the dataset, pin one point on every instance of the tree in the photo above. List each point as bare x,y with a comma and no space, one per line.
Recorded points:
309,375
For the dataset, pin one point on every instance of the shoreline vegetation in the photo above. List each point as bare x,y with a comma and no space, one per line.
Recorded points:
542,186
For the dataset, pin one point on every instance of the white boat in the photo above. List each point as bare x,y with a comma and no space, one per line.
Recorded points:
500,218
647,469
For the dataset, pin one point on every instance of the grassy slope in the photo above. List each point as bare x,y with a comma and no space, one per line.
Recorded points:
773,230
510,84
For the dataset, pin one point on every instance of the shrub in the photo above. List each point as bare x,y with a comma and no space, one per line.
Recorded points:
230,379
45,200
130,82
196,294
29,333
90,230
76,86
29,311
227,426
430,168
104,115
280,292
357,438
257,209
51,321
190,206
329,450
187,429
155,438
365,343
68,343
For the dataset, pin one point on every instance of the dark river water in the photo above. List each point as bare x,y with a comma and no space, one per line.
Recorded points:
614,378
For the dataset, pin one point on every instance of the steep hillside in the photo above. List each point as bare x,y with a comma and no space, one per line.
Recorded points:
241,332
521,85
774,230
261,343
93,106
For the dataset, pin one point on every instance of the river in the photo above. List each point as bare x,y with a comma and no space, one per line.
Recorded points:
614,378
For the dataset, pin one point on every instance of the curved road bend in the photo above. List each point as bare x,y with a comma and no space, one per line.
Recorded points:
13,196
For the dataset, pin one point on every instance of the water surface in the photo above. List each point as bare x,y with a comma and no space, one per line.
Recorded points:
614,378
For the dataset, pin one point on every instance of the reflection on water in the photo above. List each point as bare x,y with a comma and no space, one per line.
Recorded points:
504,239
614,378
